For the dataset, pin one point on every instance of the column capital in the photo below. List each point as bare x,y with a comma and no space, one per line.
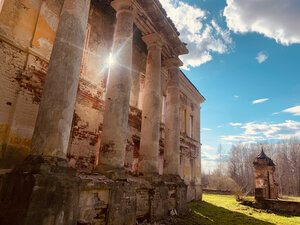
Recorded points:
152,40
172,63
122,6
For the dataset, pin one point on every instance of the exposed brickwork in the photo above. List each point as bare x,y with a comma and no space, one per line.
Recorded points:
12,62
25,47
26,41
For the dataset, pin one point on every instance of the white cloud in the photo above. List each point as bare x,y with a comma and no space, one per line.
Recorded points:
220,126
262,56
207,147
260,100
254,132
208,156
242,137
284,130
210,162
202,35
207,129
236,96
235,124
208,166
275,113
275,19
294,110
248,142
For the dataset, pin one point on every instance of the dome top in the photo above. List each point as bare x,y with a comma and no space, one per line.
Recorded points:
263,160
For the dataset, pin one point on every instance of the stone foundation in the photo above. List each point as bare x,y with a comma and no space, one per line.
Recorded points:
275,205
40,191
45,192
279,205
61,98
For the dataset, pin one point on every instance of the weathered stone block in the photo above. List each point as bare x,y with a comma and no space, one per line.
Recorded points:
122,204
159,202
181,195
198,192
143,204
172,198
278,205
93,206
42,195
191,192
260,193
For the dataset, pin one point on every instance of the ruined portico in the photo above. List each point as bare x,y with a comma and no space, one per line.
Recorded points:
94,121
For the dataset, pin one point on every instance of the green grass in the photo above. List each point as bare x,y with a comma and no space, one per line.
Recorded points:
290,198
225,210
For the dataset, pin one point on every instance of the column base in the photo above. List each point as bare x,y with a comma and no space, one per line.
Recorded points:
181,192
40,191
43,164
151,177
173,178
198,192
111,172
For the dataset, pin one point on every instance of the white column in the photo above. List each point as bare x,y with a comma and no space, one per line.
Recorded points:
54,120
115,120
172,124
149,146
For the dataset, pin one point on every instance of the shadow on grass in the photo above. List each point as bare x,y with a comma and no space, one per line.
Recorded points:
206,213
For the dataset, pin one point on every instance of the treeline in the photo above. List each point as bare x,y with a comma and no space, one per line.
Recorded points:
285,154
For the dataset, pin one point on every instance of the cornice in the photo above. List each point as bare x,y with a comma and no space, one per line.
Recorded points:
189,89
150,18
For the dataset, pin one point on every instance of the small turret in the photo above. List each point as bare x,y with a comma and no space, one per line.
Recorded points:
263,160
265,186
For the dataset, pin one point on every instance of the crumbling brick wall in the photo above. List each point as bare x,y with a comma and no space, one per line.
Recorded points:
26,41
23,70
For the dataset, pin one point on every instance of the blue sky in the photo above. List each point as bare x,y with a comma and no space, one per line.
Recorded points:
245,59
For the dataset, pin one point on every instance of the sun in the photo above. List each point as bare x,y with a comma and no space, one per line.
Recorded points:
110,60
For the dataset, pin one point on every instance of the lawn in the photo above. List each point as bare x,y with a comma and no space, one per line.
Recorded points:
290,198
223,209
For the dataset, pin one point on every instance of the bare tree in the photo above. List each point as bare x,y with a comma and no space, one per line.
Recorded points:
286,156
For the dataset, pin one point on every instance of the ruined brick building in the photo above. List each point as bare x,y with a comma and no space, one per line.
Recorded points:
266,189
98,125
265,185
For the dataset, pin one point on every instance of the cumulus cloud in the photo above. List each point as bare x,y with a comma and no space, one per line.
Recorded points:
235,124
294,110
248,142
207,156
202,35
207,147
275,19
254,132
242,138
284,130
228,143
259,100
261,57
208,166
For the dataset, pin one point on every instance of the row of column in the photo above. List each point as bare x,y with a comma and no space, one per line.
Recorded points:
53,125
